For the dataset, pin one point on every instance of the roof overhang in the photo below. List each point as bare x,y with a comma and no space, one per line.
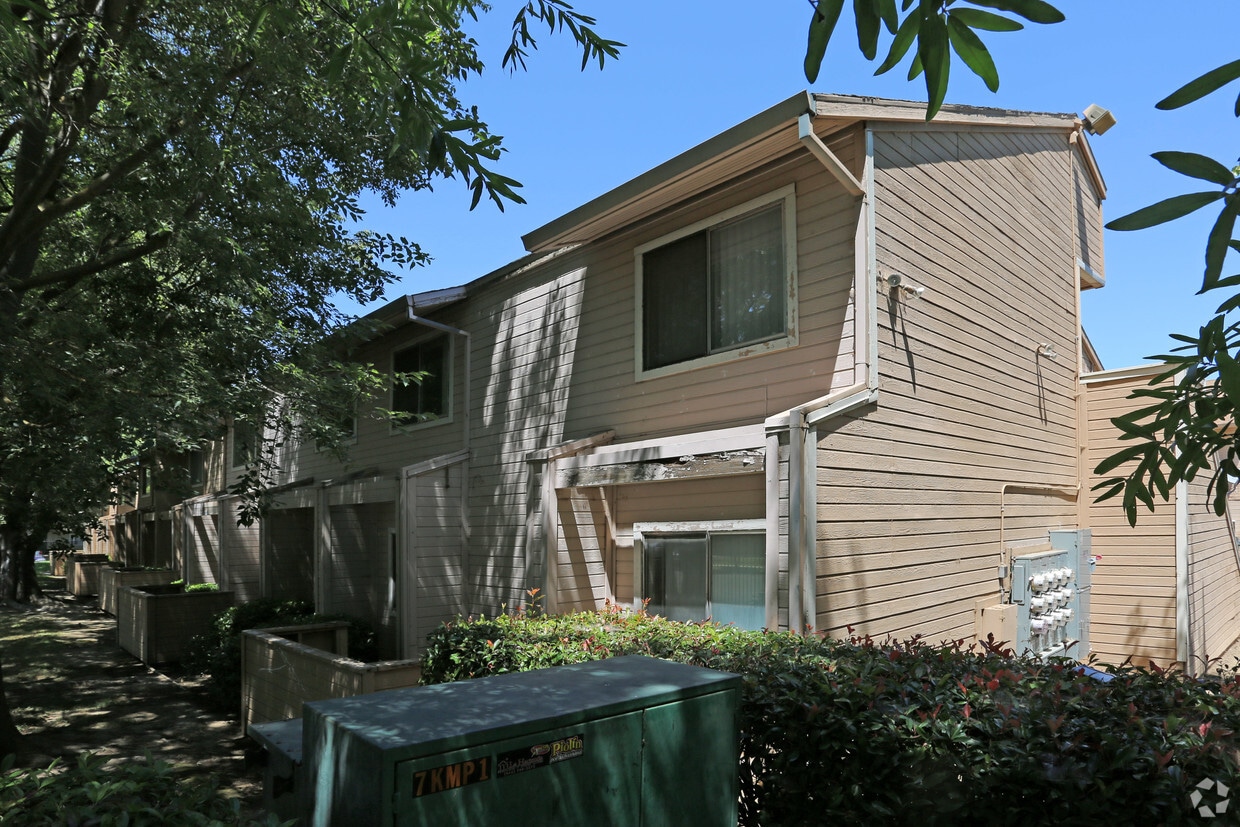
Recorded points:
769,135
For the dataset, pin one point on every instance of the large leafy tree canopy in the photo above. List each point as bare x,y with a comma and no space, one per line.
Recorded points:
178,186
1189,425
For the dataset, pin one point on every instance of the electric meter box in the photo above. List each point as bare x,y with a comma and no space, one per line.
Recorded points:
629,740
1051,592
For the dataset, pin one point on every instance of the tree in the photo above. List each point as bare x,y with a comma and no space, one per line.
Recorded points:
1190,425
178,184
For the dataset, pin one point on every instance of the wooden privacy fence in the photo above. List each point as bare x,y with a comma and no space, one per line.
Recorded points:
283,667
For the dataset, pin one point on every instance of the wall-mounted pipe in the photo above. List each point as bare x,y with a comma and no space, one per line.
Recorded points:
801,421
464,334
1005,563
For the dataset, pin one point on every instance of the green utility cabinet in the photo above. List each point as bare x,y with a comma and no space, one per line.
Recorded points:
631,740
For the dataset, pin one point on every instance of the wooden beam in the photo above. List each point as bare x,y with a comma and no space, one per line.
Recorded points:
681,468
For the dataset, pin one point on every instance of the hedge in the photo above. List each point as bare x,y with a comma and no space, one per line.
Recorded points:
866,732
217,653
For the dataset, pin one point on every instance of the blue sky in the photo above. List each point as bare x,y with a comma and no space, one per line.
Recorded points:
693,69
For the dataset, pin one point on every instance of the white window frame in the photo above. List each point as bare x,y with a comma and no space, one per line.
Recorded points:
449,383
786,195
640,530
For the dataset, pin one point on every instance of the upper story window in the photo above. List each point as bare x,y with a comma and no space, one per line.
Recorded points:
245,445
196,468
426,395
720,289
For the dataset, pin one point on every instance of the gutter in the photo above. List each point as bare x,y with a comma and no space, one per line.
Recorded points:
801,421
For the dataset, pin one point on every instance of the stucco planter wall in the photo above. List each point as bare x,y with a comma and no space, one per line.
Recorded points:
281,670
111,579
155,623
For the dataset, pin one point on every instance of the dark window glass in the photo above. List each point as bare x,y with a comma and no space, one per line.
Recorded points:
716,290
425,393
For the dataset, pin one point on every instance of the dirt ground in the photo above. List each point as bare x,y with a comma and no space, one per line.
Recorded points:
72,689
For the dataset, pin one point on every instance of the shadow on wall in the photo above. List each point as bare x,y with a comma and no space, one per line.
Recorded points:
523,409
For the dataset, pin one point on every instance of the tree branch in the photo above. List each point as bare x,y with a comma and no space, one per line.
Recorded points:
72,275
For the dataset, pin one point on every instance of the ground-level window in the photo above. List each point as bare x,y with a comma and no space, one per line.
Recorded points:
420,381
695,571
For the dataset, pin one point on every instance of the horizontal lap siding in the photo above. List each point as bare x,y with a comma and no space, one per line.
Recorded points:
1088,217
359,567
439,546
1133,594
1214,578
909,490
203,552
239,545
289,539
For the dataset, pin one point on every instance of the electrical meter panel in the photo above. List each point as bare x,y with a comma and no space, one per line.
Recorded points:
1051,593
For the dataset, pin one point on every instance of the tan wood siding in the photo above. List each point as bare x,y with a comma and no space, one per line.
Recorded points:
239,546
1134,584
203,552
910,490
1214,579
438,577
359,569
1088,217
288,536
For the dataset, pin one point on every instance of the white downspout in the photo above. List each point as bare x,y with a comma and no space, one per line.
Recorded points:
1183,615
464,334
801,421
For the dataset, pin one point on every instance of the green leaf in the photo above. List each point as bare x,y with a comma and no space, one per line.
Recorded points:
932,48
1229,375
915,68
904,38
1035,11
821,26
1196,166
986,21
1202,86
866,14
973,52
891,18
1119,458
1168,210
1219,243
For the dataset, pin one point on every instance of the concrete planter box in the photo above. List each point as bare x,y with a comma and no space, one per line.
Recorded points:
82,573
155,623
111,579
282,668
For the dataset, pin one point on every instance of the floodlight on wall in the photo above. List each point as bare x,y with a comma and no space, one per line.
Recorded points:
896,281
1097,119
1048,350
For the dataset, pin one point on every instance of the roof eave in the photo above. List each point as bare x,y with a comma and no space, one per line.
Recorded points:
544,237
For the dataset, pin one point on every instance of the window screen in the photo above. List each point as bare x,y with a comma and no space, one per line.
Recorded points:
715,290
717,575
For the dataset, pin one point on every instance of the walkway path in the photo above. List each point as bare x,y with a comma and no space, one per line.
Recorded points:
73,689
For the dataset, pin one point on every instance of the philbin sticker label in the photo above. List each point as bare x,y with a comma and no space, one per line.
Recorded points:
539,755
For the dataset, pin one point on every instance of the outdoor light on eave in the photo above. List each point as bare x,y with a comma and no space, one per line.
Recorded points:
1097,119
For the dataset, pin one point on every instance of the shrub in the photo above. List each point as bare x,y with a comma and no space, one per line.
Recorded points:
217,653
862,732
202,587
94,792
